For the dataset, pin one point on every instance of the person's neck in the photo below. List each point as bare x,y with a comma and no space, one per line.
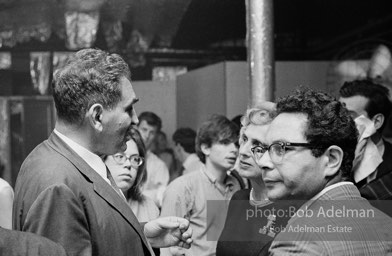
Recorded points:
76,133
259,189
376,137
218,173
184,156
124,191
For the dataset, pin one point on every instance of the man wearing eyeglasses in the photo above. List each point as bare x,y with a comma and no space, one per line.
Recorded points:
308,156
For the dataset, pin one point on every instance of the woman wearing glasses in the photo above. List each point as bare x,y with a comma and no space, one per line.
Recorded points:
129,172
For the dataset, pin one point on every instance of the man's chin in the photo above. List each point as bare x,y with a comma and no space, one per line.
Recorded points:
275,195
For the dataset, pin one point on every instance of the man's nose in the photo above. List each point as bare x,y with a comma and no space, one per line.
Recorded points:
244,149
134,119
234,148
265,162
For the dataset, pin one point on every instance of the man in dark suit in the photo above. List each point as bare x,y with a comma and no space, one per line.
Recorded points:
17,243
64,191
307,159
370,107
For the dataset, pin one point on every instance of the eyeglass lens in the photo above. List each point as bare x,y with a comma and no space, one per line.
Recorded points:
275,150
135,160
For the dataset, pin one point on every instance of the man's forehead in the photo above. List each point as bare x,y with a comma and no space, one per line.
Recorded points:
127,90
355,103
287,127
256,131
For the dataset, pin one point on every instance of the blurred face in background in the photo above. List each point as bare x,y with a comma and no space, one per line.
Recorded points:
124,166
356,105
148,133
250,136
222,155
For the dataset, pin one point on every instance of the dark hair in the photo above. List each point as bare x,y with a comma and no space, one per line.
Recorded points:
237,121
375,93
151,119
217,129
135,192
186,138
329,123
90,76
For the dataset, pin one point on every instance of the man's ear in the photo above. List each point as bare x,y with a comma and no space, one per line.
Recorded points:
95,115
378,120
205,149
333,158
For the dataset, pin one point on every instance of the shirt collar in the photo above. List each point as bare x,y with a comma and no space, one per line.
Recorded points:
229,182
93,160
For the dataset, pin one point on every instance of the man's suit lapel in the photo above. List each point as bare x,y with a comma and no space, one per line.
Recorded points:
386,166
101,187
342,192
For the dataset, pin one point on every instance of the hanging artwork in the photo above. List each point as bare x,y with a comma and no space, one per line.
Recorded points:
113,35
5,60
25,22
81,29
167,73
40,71
135,49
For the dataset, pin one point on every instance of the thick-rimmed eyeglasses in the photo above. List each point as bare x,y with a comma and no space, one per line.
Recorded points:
277,150
135,160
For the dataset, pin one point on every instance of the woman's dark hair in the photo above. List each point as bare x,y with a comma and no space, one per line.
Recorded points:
135,192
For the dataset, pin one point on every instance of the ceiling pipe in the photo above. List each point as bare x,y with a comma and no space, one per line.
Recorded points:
349,35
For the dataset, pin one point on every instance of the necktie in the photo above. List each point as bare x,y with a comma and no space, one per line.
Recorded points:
359,153
367,157
114,185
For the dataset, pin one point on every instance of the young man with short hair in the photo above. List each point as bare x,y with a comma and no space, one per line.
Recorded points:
189,195
185,151
157,172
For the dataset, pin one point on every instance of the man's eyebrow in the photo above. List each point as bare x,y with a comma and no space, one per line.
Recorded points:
258,143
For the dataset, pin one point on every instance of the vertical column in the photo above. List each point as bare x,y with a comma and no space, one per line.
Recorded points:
260,42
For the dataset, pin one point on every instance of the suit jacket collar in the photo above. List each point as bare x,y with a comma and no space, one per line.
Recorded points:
386,165
343,192
340,193
101,187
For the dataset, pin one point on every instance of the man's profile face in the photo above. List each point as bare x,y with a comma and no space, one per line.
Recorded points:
222,155
356,105
177,151
118,121
299,174
250,136
147,132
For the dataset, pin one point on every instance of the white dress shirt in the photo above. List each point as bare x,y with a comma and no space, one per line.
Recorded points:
93,160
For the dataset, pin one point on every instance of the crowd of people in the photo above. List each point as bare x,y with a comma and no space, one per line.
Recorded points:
307,175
